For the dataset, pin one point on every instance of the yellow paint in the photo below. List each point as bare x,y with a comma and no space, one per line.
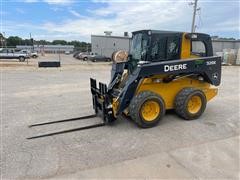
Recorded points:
115,104
168,91
194,104
185,48
150,110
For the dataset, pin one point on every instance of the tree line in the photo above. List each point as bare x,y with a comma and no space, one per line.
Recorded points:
13,41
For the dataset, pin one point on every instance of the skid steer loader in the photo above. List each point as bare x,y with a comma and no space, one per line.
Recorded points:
164,70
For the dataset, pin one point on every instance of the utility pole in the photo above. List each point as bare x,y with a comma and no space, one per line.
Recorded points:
195,9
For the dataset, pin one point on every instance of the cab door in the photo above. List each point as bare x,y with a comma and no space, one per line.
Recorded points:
173,47
165,47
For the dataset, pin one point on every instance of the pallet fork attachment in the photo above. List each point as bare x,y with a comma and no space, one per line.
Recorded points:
99,106
65,120
68,130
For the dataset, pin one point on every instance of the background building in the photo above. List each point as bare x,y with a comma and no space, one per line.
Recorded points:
106,45
219,45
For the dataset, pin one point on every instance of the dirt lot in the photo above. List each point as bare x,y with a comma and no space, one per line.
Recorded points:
176,149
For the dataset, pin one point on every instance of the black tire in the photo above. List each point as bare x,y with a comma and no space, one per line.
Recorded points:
85,58
108,60
21,58
181,103
34,56
135,109
94,60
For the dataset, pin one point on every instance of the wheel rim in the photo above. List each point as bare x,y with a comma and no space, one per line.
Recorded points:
194,104
150,110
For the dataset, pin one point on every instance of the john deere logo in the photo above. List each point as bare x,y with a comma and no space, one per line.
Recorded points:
174,67
215,76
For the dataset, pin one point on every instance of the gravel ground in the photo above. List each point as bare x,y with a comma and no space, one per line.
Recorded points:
205,148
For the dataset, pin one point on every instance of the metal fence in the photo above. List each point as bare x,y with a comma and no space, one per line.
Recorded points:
48,48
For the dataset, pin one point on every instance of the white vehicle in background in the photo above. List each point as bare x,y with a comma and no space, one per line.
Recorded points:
12,54
67,52
85,55
32,54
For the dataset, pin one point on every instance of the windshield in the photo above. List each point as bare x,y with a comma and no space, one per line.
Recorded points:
139,46
138,49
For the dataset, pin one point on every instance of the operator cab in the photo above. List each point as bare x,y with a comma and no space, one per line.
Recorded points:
156,46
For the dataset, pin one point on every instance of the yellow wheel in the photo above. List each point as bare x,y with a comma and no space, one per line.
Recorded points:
190,103
146,109
194,104
150,110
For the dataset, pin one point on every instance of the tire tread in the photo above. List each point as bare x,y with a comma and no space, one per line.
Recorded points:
180,103
134,108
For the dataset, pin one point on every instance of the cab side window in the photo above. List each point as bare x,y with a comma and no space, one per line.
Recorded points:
198,48
158,49
173,48
165,48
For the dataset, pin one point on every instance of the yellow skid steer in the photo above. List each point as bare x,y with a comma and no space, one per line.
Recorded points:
164,70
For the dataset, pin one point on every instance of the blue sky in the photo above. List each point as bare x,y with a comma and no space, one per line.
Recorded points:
78,19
